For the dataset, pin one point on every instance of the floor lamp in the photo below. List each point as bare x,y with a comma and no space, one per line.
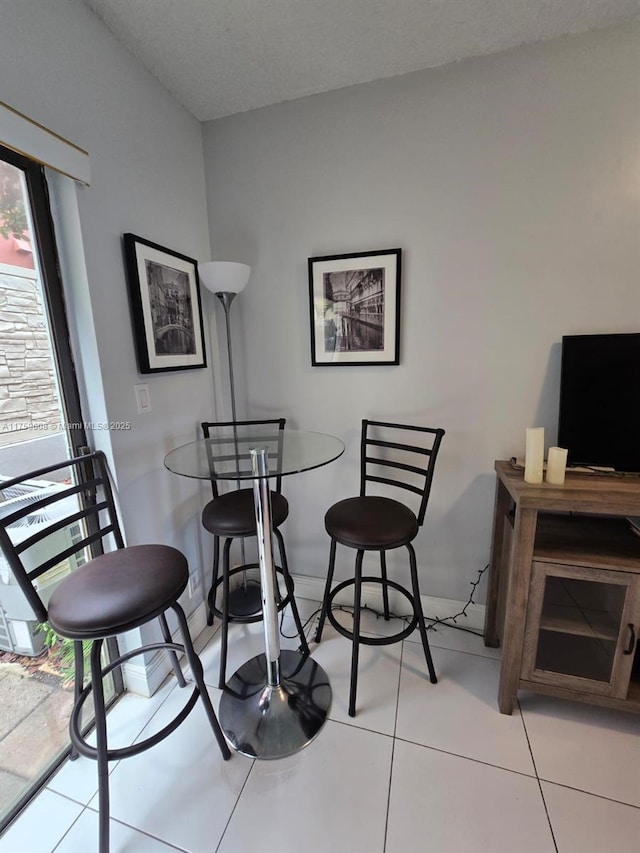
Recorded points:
226,279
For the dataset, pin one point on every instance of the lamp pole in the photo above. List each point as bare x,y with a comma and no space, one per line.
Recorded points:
226,279
241,601
227,298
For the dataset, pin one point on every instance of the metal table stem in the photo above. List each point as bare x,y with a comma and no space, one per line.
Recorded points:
277,702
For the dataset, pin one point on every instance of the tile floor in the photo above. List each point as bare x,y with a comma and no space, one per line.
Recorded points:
420,768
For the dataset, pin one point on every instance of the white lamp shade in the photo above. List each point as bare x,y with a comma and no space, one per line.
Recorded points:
224,276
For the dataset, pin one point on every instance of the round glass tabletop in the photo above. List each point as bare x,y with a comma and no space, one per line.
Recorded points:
225,455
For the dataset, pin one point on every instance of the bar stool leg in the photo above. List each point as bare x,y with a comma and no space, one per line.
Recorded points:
198,677
78,684
214,579
419,614
327,590
288,580
225,614
355,648
101,747
166,635
385,590
285,566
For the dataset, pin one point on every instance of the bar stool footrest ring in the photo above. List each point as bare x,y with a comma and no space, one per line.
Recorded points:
235,617
373,641
81,744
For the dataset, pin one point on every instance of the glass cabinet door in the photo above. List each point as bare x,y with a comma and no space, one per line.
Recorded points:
577,628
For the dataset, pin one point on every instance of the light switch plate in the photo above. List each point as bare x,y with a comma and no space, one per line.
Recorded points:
142,398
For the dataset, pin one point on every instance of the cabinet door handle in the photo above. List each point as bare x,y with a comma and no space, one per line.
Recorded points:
632,640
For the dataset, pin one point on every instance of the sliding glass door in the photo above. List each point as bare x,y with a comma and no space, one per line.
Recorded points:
40,422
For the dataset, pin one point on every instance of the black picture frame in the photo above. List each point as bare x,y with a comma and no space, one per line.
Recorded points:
354,304
166,307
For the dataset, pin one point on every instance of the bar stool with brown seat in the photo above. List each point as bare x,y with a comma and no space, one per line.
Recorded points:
232,516
68,514
377,523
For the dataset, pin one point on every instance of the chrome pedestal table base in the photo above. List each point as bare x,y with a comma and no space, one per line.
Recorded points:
265,720
277,702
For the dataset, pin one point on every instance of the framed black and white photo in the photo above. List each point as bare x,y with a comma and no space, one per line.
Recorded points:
166,307
355,308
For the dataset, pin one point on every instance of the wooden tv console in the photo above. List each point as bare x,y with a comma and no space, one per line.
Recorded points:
564,588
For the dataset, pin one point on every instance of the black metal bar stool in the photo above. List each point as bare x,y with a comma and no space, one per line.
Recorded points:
232,515
376,523
66,518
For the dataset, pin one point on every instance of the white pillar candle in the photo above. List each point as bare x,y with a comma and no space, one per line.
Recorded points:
534,455
556,465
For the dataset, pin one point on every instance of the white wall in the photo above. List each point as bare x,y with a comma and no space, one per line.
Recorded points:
62,67
512,185
510,182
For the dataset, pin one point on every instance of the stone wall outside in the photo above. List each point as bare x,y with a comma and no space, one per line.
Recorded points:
29,403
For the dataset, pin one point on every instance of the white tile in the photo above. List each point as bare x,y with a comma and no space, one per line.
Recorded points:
331,796
245,641
83,838
372,623
459,714
307,610
593,749
180,791
41,826
442,636
202,641
583,823
378,680
447,637
307,607
79,779
448,804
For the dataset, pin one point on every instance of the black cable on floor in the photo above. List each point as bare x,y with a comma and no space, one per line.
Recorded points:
447,621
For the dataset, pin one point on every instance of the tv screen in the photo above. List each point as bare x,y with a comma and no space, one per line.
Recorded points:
599,420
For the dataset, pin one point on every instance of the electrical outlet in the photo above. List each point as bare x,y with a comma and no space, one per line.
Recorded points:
193,584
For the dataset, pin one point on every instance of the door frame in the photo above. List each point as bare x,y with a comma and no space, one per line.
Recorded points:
49,269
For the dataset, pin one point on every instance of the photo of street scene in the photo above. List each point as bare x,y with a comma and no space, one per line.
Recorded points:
171,309
354,315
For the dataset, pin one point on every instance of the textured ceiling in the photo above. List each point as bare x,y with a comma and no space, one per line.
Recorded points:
220,57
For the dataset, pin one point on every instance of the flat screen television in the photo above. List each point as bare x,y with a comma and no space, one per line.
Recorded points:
599,420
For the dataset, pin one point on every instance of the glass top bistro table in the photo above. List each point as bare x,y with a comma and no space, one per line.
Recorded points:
277,702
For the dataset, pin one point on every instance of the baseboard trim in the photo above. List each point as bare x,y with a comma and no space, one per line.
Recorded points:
145,679
433,607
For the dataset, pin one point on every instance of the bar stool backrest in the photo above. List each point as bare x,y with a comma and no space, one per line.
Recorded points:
401,456
56,517
243,443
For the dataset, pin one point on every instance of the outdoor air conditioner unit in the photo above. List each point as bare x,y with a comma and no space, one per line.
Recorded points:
19,626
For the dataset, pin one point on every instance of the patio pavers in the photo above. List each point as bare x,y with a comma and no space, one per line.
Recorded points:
34,720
